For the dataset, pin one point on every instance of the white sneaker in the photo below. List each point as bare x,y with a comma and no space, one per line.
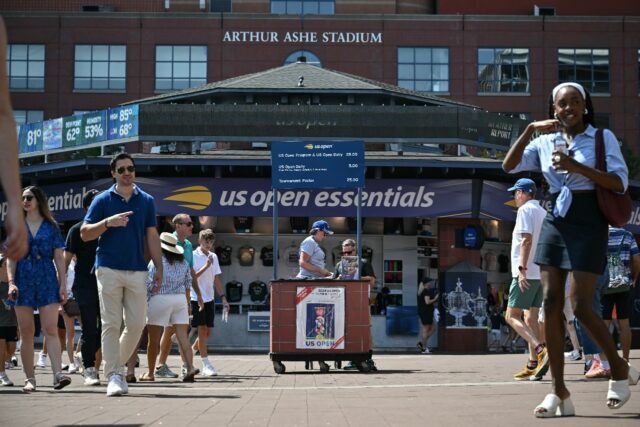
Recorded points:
77,360
42,360
5,381
8,365
91,376
73,368
573,355
116,385
209,371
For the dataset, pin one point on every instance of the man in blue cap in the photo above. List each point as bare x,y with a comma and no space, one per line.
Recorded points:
525,292
312,257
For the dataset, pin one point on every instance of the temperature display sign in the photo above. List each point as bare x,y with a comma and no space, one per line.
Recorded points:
30,137
123,122
85,129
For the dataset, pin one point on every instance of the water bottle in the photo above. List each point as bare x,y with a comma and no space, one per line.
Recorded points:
225,314
561,145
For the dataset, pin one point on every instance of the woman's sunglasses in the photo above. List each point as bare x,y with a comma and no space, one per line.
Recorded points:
28,198
130,169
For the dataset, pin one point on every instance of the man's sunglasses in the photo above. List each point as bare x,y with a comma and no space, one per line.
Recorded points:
188,224
28,198
130,169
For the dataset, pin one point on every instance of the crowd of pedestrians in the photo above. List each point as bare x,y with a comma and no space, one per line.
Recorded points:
119,293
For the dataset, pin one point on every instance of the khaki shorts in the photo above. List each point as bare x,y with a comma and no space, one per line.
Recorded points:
532,297
168,309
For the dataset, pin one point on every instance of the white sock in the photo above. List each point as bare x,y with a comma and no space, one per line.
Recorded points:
205,361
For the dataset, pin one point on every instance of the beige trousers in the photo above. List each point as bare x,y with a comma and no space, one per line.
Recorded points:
123,297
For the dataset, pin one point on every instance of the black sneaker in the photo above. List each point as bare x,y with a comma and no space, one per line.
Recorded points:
420,347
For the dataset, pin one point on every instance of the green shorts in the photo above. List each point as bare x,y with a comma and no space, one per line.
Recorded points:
532,297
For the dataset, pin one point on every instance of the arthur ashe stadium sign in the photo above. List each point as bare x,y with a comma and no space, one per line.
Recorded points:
301,37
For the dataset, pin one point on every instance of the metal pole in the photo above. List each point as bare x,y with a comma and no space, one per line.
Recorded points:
359,229
275,233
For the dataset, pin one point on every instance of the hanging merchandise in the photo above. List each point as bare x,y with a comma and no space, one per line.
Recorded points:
224,254
243,224
234,291
258,291
266,255
245,255
299,224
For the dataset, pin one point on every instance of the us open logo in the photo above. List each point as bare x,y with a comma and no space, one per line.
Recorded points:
197,197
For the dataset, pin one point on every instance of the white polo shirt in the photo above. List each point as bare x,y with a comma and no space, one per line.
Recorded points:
206,279
528,220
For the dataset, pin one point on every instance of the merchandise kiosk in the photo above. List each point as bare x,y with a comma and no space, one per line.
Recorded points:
320,320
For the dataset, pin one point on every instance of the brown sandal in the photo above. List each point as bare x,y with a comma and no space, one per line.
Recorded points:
146,377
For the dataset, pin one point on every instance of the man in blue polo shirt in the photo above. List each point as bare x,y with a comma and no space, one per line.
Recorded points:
122,217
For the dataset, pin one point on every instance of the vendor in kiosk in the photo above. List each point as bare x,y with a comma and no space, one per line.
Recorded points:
312,257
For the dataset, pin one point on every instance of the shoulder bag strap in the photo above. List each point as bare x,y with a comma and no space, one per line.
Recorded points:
601,162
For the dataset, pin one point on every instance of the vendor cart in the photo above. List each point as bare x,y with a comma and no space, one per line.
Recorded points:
320,320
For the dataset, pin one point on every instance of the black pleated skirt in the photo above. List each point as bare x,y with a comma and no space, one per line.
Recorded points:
579,240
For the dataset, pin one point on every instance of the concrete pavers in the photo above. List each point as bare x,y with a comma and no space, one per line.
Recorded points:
409,390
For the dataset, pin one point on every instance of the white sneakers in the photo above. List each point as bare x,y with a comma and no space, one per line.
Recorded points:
91,376
117,386
573,355
208,370
42,360
73,368
4,380
77,360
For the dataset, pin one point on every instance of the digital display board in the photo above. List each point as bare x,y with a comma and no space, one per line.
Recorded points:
325,164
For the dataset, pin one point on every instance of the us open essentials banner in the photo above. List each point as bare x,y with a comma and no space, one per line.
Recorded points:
320,318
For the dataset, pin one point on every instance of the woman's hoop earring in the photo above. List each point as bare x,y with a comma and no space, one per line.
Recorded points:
586,111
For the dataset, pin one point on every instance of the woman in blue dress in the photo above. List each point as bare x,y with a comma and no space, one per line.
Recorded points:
573,238
39,280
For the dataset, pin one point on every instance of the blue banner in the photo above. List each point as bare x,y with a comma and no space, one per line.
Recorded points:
253,197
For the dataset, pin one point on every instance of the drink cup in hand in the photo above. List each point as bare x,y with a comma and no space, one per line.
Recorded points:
225,314
560,145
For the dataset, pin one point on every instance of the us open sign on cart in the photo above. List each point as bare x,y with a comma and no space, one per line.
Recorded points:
320,318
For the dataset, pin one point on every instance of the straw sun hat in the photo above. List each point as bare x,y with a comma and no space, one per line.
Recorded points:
169,242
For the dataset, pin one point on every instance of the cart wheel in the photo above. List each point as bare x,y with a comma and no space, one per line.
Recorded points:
308,365
363,366
279,368
337,364
323,367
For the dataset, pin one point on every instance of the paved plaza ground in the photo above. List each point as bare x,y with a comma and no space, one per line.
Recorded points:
408,390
